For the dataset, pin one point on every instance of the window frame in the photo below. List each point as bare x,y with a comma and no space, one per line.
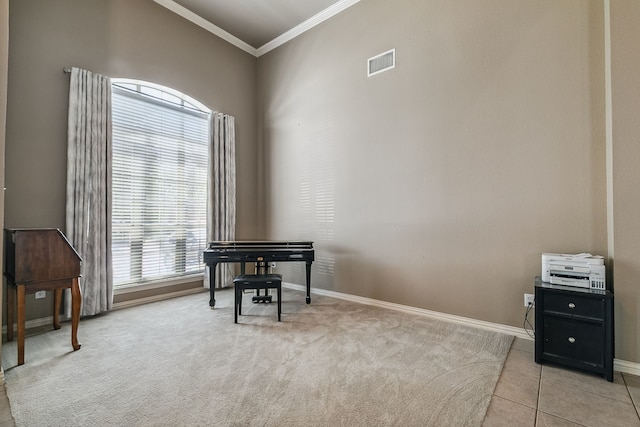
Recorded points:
166,97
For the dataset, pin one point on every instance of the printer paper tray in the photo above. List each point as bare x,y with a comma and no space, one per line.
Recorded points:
577,282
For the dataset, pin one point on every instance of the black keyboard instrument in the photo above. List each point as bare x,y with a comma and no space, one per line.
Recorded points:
260,252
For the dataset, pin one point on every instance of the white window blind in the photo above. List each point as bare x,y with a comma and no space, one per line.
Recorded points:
159,185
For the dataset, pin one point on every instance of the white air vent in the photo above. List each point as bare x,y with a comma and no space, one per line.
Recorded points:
383,62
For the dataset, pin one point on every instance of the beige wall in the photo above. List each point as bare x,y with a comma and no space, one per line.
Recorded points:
625,67
435,185
439,184
4,57
118,38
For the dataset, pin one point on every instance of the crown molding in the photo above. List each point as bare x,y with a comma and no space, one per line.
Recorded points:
201,22
267,47
328,13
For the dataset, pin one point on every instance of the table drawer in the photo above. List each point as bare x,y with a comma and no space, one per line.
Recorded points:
575,305
574,339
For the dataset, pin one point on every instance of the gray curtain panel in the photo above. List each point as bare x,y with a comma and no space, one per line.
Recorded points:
88,216
221,197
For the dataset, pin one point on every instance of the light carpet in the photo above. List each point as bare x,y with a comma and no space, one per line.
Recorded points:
331,363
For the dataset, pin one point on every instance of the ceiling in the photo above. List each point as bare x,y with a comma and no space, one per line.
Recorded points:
256,23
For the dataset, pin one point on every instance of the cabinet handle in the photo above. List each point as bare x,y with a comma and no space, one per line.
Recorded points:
572,340
572,305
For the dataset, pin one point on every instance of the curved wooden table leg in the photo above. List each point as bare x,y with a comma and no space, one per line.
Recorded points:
76,301
11,306
57,301
21,318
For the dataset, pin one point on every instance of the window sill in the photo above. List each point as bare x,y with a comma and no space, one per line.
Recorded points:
134,295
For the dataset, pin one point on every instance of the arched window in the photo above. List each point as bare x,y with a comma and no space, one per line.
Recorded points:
160,140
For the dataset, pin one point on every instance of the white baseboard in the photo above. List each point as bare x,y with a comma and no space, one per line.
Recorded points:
35,323
43,321
155,298
618,365
626,367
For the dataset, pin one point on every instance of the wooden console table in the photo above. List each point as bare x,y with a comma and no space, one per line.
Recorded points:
40,260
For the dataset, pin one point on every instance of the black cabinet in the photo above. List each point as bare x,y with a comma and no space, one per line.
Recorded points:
574,327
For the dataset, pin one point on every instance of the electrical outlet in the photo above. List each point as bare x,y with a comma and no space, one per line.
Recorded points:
41,294
529,300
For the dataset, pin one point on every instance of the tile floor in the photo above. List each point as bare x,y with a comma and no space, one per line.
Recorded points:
528,394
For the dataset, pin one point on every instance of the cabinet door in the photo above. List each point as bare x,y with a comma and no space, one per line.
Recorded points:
574,339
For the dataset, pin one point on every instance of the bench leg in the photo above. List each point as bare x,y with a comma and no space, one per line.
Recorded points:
279,301
235,305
